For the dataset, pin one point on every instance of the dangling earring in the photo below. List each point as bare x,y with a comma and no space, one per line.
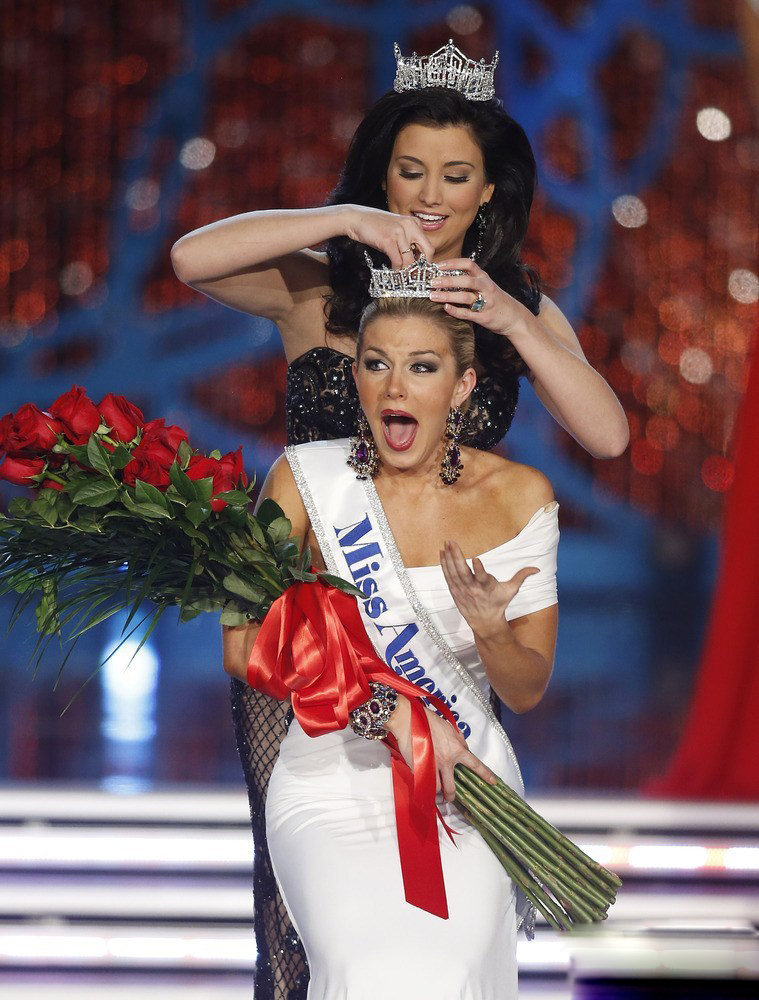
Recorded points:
481,219
363,458
451,466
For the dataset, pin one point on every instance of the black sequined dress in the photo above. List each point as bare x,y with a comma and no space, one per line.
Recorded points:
320,403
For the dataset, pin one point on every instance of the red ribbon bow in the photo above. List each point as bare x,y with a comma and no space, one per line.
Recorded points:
313,647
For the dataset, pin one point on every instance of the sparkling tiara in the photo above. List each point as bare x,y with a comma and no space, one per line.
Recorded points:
412,282
447,67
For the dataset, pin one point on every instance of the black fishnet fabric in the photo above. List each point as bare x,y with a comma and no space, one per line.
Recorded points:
260,726
320,404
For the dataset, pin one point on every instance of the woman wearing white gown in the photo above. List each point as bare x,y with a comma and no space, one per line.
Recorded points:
408,538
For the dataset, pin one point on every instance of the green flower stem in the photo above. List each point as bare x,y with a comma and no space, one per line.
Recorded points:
544,849
543,826
520,875
545,861
565,891
600,876
532,890
550,908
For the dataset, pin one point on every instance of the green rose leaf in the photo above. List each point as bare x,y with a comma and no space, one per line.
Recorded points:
19,507
236,585
234,497
302,575
204,489
256,532
150,510
43,508
182,483
98,457
121,457
63,505
347,588
234,618
197,513
279,530
145,493
96,494
268,511
89,521
184,454
79,452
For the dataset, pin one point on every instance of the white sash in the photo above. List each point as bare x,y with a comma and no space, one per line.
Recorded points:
357,544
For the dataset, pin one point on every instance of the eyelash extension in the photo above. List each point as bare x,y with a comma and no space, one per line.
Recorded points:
412,177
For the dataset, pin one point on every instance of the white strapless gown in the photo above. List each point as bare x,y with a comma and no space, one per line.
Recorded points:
330,822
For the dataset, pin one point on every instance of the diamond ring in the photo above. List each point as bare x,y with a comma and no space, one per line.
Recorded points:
479,303
407,250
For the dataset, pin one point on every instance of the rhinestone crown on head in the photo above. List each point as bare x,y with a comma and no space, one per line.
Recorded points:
447,67
412,282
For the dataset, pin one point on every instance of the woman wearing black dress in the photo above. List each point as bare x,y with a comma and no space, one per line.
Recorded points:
428,171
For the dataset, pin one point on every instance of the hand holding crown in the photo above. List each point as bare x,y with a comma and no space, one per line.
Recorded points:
394,235
473,295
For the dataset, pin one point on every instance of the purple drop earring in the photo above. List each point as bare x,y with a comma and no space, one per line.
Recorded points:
451,466
363,457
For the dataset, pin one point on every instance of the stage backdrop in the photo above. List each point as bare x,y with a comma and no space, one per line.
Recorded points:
126,124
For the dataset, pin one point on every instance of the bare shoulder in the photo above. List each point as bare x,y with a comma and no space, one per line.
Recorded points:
528,486
514,489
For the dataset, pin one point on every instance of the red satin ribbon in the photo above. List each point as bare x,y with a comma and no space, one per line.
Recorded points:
313,647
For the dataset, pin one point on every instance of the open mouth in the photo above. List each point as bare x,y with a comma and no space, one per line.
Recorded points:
399,429
430,220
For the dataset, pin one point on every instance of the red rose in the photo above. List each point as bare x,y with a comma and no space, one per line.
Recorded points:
29,429
232,464
20,470
156,433
123,417
226,472
150,463
50,484
78,415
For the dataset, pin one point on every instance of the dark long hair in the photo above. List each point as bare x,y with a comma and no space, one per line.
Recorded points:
509,166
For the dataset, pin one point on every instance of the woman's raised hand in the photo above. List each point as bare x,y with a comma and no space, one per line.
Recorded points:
448,743
500,310
479,596
395,235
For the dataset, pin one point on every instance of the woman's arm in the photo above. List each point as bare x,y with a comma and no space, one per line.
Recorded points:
572,391
518,655
237,640
569,387
260,263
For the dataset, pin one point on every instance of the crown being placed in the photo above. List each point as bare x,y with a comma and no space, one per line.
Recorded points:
447,67
412,282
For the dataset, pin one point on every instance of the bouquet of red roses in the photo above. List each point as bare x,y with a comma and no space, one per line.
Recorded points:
126,511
